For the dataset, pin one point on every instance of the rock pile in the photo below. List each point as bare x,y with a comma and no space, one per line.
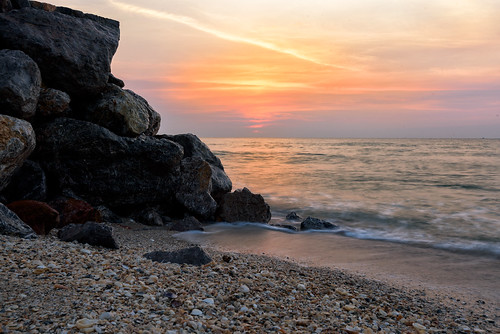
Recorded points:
70,134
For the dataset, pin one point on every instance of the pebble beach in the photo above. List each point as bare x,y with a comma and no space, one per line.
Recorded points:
50,286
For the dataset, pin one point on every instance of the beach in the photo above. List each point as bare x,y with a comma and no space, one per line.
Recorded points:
48,286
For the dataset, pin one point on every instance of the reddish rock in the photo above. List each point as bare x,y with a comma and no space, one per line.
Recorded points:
75,211
38,215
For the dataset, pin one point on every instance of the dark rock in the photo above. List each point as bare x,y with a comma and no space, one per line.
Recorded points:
193,192
124,112
109,216
75,211
91,233
242,205
311,223
115,81
38,215
11,224
194,147
194,256
52,103
149,216
227,258
28,182
189,223
5,6
293,216
20,82
17,141
18,4
73,52
288,227
104,169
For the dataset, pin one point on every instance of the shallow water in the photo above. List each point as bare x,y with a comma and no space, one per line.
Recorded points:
442,193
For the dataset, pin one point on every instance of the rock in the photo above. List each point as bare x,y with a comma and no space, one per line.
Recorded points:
288,227
149,216
18,4
187,224
93,163
5,6
11,224
115,81
20,82
124,112
242,205
73,50
293,216
38,215
52,103
109,216
194,147
311,223
194,188
194,256
75,211
17,141
28,182
91,233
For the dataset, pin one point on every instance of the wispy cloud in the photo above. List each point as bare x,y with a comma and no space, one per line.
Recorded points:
193,23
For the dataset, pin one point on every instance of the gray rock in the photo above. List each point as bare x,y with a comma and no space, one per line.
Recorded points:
109,216
17,141
293,216
194,188
115,81
311,223
52,103
124,112
194,256
73,50
91,233
189,223
243,206
105,169
20,82
28,182
11,224
149,216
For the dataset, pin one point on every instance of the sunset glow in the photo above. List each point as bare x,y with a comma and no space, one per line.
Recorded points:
364,68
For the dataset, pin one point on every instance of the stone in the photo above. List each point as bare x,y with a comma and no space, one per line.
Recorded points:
38,215
5,6
115,81
73,50
108,216
194,255
244,206
149,216
124,112
52,103
311,223
293,216
75,211
20,82
18,4
92,233
194,188
28,182
91,162
194,147
189,223
17,141
11,224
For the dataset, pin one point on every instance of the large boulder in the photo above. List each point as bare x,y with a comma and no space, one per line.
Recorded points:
92,163
194,147
124,112
11,224
38,215
17,141
28,182
20,82
91,233
52,103
243,206
73,50
194,255
311,223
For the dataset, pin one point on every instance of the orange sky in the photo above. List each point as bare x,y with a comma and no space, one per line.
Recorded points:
312,68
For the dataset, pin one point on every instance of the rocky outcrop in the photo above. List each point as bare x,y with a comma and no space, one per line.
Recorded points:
20,82
124,112
38,215
311,223
11,224
17,141
243,206
28,182
72,50
91,233
52,103
75,211
194,256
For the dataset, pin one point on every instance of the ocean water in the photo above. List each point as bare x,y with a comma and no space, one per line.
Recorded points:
442,193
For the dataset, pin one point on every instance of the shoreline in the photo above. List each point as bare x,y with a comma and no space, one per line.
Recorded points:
119,291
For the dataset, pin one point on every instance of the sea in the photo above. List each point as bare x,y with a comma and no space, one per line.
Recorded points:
435,193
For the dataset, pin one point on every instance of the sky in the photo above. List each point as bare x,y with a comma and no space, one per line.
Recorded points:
312,68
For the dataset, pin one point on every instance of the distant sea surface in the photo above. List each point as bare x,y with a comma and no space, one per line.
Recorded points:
440,193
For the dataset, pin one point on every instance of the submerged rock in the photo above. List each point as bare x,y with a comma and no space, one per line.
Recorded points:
91,233
243,206
293,216
194,256
311,223
11,224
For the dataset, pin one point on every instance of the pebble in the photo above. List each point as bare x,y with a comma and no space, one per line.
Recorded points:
196,312
244,288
